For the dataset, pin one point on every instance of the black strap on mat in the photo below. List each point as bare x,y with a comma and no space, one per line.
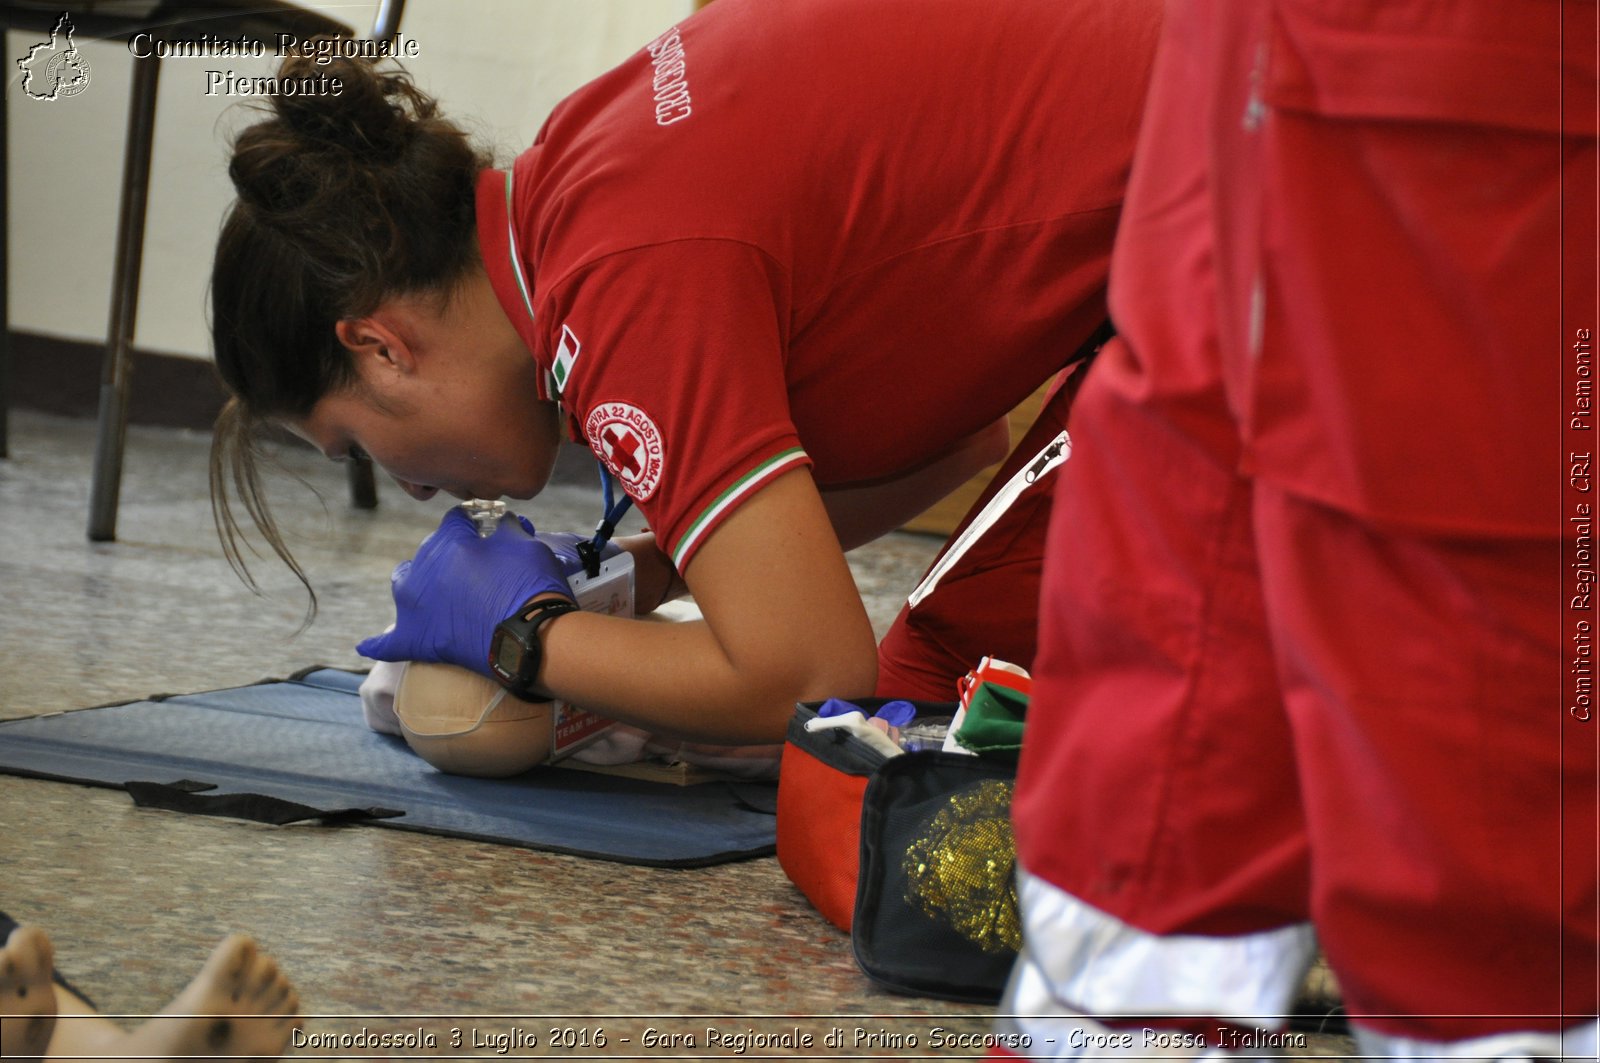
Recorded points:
182,796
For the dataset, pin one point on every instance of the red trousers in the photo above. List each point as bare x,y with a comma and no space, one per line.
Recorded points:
1316,629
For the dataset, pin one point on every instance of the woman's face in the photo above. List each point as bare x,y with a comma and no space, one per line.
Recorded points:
468,441
442,401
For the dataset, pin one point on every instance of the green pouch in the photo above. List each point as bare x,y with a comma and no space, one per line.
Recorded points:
993,723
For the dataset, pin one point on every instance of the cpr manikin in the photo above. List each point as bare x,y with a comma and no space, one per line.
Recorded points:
465,724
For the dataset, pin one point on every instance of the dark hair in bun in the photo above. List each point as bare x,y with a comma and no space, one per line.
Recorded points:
344,199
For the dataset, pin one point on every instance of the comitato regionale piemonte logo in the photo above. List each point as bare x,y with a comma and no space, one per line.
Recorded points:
55,69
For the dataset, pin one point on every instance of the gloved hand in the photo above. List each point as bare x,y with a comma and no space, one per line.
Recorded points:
449,597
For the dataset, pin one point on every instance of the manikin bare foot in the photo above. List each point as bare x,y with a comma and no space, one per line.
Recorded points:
27,997
238,1007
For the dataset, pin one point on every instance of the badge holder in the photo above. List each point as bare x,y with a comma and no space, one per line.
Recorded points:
604,586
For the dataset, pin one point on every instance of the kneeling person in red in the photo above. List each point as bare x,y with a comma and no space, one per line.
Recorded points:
785,271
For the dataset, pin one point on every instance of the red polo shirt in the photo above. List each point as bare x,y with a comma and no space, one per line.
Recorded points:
842,234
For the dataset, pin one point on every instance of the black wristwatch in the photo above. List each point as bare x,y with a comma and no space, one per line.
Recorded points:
514,651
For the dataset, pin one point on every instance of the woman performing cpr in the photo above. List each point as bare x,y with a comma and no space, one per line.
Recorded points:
785,271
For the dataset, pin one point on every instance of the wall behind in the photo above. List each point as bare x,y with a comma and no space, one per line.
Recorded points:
497,67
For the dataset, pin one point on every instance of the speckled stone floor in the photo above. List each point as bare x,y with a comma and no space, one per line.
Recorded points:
444,946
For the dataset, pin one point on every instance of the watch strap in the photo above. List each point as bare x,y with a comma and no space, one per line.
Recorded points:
523,626
541,611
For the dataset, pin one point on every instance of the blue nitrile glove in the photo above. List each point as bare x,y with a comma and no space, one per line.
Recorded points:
837,707
896,713
565,546
449,598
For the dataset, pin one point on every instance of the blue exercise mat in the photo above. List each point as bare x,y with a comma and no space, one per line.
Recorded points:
298,749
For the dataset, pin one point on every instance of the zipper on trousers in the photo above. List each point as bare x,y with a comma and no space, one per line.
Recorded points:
1055,452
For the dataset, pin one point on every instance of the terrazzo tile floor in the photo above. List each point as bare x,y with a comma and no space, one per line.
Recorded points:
383,932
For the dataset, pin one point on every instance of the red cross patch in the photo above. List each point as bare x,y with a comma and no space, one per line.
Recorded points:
627,440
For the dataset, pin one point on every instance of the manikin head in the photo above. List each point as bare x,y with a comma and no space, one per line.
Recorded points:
465,724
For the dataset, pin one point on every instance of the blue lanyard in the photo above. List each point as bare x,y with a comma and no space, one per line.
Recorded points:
589,552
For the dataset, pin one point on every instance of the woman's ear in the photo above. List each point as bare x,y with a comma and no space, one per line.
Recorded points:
374,345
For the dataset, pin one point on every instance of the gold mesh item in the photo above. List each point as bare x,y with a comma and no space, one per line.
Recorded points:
959,871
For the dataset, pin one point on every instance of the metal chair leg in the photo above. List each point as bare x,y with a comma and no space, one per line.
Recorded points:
363,489
117,367
5,285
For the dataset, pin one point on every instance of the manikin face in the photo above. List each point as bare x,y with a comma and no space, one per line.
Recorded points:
444,400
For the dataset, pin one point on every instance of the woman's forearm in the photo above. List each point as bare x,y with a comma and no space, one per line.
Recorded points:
675,679
783,623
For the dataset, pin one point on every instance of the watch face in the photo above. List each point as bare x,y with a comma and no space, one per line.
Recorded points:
507,657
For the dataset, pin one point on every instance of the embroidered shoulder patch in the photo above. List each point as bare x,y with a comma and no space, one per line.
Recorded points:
627,440
567,350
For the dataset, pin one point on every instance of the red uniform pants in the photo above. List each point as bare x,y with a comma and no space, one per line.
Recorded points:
1315,640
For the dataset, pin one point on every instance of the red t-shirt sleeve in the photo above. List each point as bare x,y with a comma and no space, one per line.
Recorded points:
671,362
